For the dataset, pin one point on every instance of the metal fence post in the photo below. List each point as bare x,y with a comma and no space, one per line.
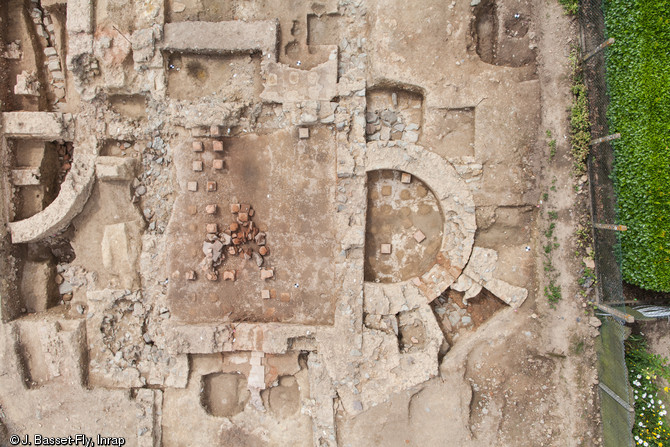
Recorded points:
598,49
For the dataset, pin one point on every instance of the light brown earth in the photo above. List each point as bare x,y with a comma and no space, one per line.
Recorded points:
102,332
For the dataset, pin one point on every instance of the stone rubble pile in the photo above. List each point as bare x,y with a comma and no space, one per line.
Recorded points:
236,239
390,125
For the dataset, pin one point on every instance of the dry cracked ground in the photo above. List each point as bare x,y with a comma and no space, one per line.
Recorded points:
249,223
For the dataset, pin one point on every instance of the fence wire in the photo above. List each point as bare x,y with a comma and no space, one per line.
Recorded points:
615,393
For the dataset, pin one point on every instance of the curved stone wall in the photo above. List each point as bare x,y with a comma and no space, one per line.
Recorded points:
457,207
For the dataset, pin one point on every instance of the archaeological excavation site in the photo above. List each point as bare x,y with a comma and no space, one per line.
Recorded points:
289,223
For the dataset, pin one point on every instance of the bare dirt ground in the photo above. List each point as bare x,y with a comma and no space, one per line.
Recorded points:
291,223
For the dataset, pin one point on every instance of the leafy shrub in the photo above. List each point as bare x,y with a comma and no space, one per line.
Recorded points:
639,84
570,6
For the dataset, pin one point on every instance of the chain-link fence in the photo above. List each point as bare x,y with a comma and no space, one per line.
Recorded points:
615,393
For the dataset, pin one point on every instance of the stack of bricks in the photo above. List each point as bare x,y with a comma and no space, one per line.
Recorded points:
45,29
218,164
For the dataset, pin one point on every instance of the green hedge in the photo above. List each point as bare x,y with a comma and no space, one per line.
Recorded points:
638,75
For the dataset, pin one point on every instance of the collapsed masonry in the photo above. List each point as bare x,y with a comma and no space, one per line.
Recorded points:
327,130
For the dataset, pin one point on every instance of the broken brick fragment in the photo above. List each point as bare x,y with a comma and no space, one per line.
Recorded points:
258,259
267,273
252,212
419,236
248,253
229,275
212,275
232,251
190,275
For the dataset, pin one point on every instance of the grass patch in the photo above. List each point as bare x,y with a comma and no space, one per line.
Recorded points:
553,292
580,127
551,142
571,7
639,86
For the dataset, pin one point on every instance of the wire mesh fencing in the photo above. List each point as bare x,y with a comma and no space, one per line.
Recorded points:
616,399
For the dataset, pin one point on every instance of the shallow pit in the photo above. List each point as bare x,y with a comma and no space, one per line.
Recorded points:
396,211
233,77
224,394
284,399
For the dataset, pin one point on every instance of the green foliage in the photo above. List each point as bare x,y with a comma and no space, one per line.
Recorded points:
552,145
550,231
571,7
639,85
580,126
553,292
644,370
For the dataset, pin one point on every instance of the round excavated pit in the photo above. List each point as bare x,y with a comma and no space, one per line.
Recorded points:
405,215
224,394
